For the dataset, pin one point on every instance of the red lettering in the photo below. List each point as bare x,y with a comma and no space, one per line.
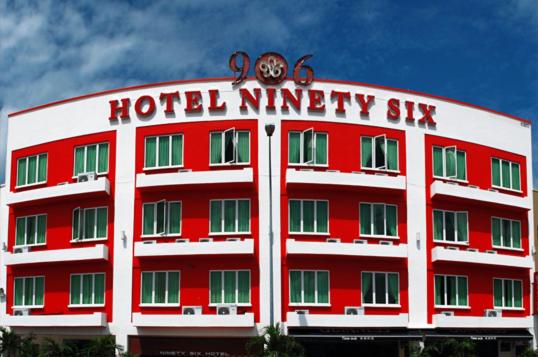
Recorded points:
394,109
365,103
427,111
213,101
123,109
317,98
340,97
193,104
169,97
410,108
295,101
271,94
246,96
139,106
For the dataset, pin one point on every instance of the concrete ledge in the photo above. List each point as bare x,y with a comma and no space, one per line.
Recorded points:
176,320
245,246
440,320
327,320
294,176
195,178
97,319
349,249
98,252
463,256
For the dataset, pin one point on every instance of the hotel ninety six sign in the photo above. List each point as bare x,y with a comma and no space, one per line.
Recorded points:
271,69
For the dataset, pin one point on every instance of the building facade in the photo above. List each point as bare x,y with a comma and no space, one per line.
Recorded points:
144,212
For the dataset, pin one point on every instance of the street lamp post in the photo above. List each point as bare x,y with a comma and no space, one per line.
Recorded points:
269,130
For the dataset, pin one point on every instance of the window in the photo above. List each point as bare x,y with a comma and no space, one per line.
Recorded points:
505,174
506,233
449,162
308,216
160,288
91,158
32,170
307,147
87,289
29,291
163,217
380,288
163,151
378,219
451,290
379,153
309,287
30,230
450,226
507,293
90,223
229,147
229,216
229,287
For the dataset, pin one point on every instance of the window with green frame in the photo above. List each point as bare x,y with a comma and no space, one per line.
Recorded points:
308,147
229,287
378,219
90,223
161,218
229,216
507,293
379,153
449,162
505,174
160,288
91,158
29,291
308,216
87,289
450,226
309,287
380,288
229,147
31,170
451,290
163,151
506,233
30,230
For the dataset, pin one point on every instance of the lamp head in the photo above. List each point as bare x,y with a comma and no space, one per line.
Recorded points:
269,129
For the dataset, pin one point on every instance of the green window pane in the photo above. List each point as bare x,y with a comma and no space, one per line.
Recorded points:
309,283
39,290
367,288
160,287
295,287
462,291
42,169
450,162
243,218
216,148
102,218
87,288
32,169
149,217
495,172
229,216
216,216
393,288
99,289
508,293
451,290
392,155
461,165
75,290
308,146
366,152
366,218
41,228
505,168
76,223
30,230
322,219
294,147
21,172
147,287
161,214
515,177
216,287
91,158
516,234
380,288
229,287
450,225
506,233
19,291
323,287
391,220
379,219
102,165
497,292
438,161
174,218
321,149
295,216
177,150
29,291
21,231
380,155
79,160
89,223
518,294
164,150
243,286
151,152
496,231
461,223
308,216
173,287
243,146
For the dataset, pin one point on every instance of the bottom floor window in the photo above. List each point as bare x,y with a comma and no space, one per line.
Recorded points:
451,290
309,287
380,288
229,287
507,293
87,289
160,287
29,291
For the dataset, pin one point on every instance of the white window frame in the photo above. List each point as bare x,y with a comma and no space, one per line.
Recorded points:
384,236
511,247
97,155
302,232
81,226
302,303
386,304
93,304
443,160
314,148
503,307
26,233
27,158
501,187
153,304
457,291
166,219
236,271
169,166
33,306
235,143
381,168
444,241
236,232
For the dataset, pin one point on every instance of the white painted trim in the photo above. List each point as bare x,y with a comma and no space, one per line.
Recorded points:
464,256
294,247
98,252
244,175
194,248
332,320
294,176
176,320
443,321
97,319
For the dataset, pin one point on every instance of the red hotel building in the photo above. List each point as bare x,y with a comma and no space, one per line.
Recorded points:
144,212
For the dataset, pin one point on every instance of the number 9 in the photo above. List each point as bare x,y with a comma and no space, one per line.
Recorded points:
299,65
243,69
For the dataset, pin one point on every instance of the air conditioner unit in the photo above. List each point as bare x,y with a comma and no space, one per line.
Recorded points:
301,312
491,251
380,174
472,250
385,242
354,310
306,170
184,170
358,172
19,250
233,239
226,310
21,312
333,170
192,310
473,186
333,240
452,248
492,190
182,240
360,241
447,313
205,240
149,242
62,183
492,313
452,183
86,176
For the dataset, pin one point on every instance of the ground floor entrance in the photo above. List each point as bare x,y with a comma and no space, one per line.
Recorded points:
153,346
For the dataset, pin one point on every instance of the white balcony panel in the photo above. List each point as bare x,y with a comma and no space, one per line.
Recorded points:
195,178
440,188
97,319
176,320
245,246
326,320
440,320
294,176
98,252
100,185
349,249
463,256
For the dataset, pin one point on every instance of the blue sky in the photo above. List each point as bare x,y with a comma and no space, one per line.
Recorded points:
482,52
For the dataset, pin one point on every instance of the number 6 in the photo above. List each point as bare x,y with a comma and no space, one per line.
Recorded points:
299,65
